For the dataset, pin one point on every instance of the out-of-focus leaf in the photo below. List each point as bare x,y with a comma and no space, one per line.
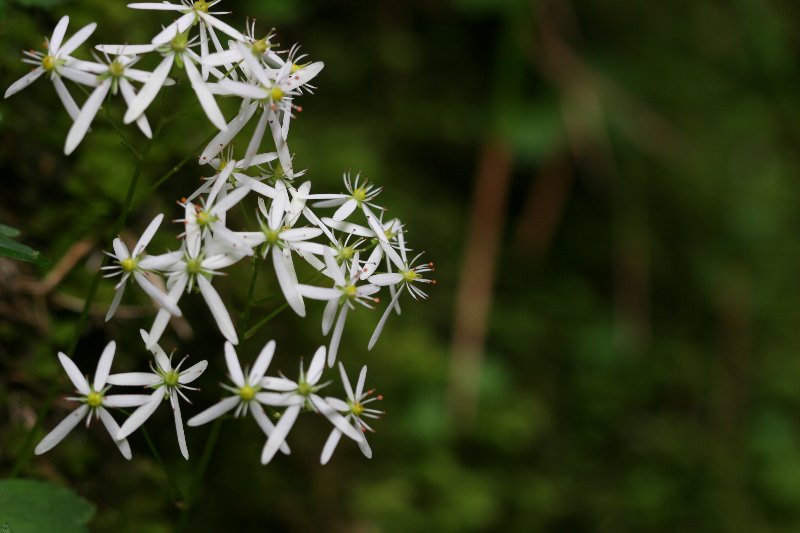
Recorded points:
31,505
14,249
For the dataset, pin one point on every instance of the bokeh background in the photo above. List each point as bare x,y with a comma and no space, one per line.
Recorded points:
609,191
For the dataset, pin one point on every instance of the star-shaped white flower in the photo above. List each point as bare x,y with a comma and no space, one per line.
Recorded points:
296,395
245,392
355,411
168,381
94,401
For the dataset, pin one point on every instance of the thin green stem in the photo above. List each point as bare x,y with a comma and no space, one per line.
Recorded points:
245,318
177,493
208,450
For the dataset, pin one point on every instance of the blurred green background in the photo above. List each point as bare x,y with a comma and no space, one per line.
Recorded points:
609,191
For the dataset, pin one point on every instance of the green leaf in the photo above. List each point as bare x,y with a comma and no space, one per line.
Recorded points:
8,231
15,250
31,505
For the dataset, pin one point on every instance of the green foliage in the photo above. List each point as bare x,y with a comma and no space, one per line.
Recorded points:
15,250
28,505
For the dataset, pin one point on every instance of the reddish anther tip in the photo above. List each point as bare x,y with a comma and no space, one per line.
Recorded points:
379,396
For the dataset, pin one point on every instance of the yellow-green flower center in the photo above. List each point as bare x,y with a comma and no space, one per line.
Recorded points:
276,93
128,264
410,275
360,194
116,69
194,266
272,235
171,378
94,399
350,291
48,63
345,253
296,67
304,389
204,218
260,46
179,43
356,408
201,5
247,393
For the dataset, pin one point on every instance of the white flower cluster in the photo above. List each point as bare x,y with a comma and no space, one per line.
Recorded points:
358,251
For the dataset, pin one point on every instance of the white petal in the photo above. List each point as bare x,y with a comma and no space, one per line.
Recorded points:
125,400
221,26
255,140
203,49
215,411
147,236
179,26
279,435
372,263
163,6
120,249
365,449
224,58
337,404
329,315
382,322
390,278
113,428
176,411
128,94
162,318
58,35
349,227
266,424
61,430
75,376
79,77
133,379
24,81
346,384
76,40
345,210
149,90
262,363
336,419
224,137
115,302
244,90
157,294
140,415
234,369
160,262
337,335
362,376
232,199
218,310
316,367
129,49
193,372
278,384
333,268
204,96
253,64
287,279
281,147
303,76
104,366
330,446
66,98
319,293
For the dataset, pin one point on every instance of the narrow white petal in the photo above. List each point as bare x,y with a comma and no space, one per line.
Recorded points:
319,293
79,77
24,81
125,400
333,268
163,6
278,384
113,428
287,279
262,363
329,315
215,411
133,379
224,58
336,336
336,419
255,140
76,40
330,446
244,90
234,368
128,94
176,411
75,376
147,236
336,403
66,98
279,435
253,64
345,210
365,449
281,147
204,96
128,49
163,299
382,322
390,278
221,26
362,377
303,76
221,140
149,90
162,318
104,366
346,384
232,199
203,49
179,26
316,367
115,302
140,415
61,430
218,310
372,263
349,227
266,424
193,372
58,35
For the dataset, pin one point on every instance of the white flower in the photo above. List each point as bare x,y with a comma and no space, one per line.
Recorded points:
342,297
211,217
230,173
134,264
298,394
193,12
167,382
94,402
112,76
245,391
354,410
56,63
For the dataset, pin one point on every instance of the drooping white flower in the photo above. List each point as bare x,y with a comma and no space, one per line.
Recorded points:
245,391
355,411
134,264
94,401
296,395
56,63
168,382
343,296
